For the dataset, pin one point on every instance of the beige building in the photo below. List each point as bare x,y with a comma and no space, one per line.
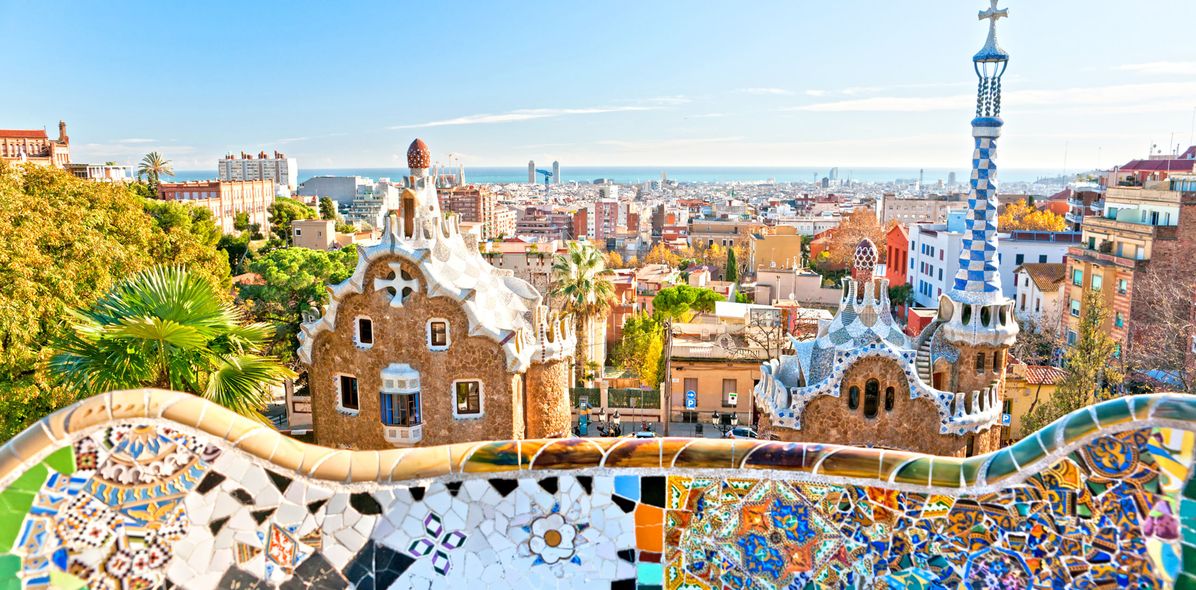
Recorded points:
428,344
314,234
780,249
34,146
225,199
920,210
477,203
1027,387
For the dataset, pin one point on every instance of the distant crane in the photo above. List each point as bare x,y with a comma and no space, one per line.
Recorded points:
547,178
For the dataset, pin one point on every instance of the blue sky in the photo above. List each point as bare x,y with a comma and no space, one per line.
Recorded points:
786,83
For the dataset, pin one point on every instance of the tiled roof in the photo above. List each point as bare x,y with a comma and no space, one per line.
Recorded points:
1046,275
24,133
1044,374
1160,165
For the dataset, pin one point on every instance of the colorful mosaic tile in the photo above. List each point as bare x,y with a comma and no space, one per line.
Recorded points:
147,503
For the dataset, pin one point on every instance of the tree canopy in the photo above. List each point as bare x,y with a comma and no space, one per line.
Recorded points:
294,282
1025,216
859,224
680,301
282,212
67,241
641,349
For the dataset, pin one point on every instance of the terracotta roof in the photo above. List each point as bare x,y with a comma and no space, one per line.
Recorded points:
24,133
1160,165
1046,275
1044,374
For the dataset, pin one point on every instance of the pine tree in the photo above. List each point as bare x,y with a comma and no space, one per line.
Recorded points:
732,272
1091,374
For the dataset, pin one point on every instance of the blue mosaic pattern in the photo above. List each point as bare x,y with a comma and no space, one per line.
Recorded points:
979,277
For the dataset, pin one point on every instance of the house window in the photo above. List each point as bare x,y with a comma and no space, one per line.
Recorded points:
1023,298
729,386
1119,320
438,334
1071,337
399,397
691,384
467,399
998,358
346,386
980,364
1077,277
1097,281
853,398
298,232
1075,308
890,394
871,398
1042,258
1123,286
1020,258
364,333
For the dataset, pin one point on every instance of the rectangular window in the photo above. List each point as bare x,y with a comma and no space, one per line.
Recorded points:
729,386
1071,338
1023,301
1042,258
1020,258
1097,281
1075,307
1077,277
1123,286
365,331
1119,320
348,392
400,409
467,398
438,337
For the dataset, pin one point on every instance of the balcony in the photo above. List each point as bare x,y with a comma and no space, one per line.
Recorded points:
1086,254
1144,230
403,435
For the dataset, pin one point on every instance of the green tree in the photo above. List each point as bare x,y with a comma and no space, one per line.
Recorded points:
190,237
741,297
294,282
236,248
1091,373
641,348
582,283
679,302
66,242
167,327
731,274
152,168
282,212
327,208
241,221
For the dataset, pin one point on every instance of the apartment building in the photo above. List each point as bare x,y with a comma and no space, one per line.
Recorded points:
225,199
919,210
278,168
35,146
1142,226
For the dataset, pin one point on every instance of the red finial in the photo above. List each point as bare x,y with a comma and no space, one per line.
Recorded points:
418,155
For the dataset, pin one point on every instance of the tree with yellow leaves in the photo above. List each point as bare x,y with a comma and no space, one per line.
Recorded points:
859,224
614,260
660,254
1024,216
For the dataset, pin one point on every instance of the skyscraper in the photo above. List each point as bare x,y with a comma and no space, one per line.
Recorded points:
531,172
556,172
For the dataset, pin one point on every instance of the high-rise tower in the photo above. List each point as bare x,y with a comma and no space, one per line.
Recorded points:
531,172
556,172
977,318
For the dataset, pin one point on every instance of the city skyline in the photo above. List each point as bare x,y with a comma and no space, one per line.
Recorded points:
780,85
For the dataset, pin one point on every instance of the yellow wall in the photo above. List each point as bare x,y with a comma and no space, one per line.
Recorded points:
710,375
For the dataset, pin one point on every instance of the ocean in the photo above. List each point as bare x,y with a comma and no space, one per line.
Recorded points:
637,174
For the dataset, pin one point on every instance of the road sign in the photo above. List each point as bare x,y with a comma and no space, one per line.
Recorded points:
1006,419
691,400
732,399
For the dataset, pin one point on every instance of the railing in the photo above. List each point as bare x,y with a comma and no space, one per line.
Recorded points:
633,398
129,487
1080,252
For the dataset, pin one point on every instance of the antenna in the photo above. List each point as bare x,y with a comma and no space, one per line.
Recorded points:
1066,144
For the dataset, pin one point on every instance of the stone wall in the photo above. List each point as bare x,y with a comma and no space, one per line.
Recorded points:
911,424
547,400
145,489
400,336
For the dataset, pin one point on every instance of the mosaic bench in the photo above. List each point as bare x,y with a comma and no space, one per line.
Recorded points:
148,488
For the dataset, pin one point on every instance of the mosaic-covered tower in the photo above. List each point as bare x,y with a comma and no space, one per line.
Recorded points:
977,319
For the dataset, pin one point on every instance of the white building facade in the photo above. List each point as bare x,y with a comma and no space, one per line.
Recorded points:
278,168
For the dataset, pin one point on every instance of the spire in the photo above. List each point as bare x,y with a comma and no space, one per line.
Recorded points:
418,155
865,261
979,279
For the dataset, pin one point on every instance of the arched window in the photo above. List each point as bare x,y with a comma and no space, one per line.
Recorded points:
980,362
871,398
853,398
889,395
997,358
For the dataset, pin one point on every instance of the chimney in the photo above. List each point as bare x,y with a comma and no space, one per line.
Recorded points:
62,136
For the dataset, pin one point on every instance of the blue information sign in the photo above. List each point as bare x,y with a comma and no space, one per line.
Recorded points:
691,400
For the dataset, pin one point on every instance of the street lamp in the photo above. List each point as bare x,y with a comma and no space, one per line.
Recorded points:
724,422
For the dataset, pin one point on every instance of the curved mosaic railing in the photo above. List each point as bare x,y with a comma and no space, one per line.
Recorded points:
144,488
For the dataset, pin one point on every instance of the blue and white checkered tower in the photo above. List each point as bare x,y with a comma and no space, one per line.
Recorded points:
977,288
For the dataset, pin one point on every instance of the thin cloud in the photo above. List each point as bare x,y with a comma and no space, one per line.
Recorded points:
521,115
707,116
136,140
1159,68
668,100
765,91
816,93
1162,96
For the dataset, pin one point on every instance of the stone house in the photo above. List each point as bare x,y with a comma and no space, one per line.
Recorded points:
427,343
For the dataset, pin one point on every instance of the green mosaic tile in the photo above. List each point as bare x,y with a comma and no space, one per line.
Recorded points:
1049,436
945,473
1186,581
1114,411
853,462
15,502
1142,406
1175,408
1078,424
62,460
971,468
916,472
1000,467
1190,488
1027,451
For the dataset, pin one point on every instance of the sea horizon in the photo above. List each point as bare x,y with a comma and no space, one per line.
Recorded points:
692,174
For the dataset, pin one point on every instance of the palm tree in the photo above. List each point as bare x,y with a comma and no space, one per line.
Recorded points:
167,327
582,282
152,167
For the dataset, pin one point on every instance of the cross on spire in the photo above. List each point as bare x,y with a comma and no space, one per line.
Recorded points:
993,14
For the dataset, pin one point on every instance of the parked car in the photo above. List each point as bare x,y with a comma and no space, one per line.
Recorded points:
642,434
740,432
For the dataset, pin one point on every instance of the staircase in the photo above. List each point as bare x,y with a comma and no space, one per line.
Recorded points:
923,361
